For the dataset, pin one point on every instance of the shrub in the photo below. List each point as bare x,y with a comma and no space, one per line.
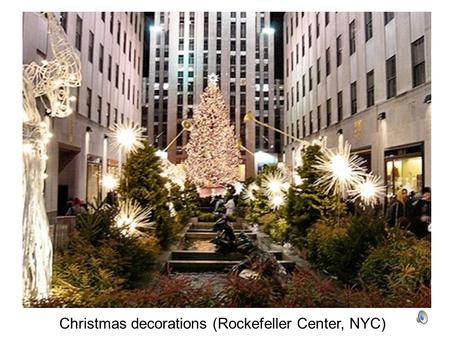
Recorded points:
341,249
399,266
280,230
267,221
206,217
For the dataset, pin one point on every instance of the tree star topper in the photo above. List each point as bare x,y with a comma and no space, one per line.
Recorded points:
213,78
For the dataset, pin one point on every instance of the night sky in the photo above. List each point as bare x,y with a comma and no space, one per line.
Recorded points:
277,23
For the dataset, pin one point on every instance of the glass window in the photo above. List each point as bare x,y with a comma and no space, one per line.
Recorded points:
370,89
368,25
418,62
391,77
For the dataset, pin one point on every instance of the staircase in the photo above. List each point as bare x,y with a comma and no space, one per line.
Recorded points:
206,259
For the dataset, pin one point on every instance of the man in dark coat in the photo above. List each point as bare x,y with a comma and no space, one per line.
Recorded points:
420,215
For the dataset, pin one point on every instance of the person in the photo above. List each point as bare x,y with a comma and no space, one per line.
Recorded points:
420,216
230,206
76,208
396,213
409,202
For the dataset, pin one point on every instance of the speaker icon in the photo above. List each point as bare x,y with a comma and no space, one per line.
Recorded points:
422,317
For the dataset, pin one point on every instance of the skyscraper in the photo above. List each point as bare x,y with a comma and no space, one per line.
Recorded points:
185,47
366,76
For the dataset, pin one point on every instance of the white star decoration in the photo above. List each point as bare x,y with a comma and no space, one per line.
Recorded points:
213,78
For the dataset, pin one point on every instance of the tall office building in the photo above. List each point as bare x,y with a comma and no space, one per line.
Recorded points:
110,46
185,47
366,76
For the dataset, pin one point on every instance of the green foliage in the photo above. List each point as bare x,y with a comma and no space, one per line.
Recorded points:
206,217
184,202
94,225
280,230
305,202
399,265
341,249
141,181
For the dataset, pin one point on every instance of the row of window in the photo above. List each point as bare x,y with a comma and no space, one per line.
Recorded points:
368,24
418,74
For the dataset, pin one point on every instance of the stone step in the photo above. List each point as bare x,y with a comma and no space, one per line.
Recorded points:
210,235
208,265
211,230
212,255
210,225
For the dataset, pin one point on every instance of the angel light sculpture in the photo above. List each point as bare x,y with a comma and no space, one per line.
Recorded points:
50,83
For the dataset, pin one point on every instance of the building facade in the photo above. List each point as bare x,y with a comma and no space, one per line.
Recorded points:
366,76
185,47
110,46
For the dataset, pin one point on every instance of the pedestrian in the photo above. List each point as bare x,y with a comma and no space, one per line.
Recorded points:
396,213
420,216
411,199
76,208
230,206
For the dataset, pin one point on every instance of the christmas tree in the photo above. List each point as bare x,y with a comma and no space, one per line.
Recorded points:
212,155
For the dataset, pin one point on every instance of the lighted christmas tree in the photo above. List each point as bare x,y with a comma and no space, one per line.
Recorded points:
212,155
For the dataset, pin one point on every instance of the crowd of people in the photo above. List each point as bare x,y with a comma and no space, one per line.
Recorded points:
411,212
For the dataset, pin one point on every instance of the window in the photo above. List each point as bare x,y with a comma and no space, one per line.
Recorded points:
233,29
243,45
339,106
352,37
109,67
388,16
111,22
327,61
63,20
124,42
317,25
91,47
243,30
391,77
129,51
123,83
338,51
117,76
292,61
89,102
303,85
100,58
296,19
292,26
181,44
297,92
108,114
328,112
353,98
303,126
319,118
310,78
243,14
327,18
103,16
303,45
128,91
370,89
418,62
368,25
310,122
99,109
309,36
318,70
118,32
78,33
116,115
296,53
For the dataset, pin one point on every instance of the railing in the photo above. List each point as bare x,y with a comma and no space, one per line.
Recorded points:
60,231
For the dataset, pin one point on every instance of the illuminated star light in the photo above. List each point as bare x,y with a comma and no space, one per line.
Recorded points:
213,78
132,216
341,171
370,191
109,182
127,136
274,183
248,193
277,200
238,187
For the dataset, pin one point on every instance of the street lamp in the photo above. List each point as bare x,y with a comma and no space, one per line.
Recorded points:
268,30
156,29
